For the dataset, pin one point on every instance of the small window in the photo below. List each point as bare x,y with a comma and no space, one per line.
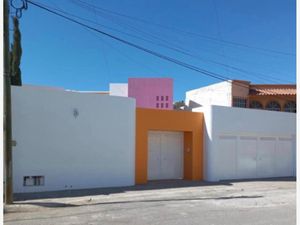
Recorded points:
167,105
157,98
161,105
167,98
157,105
273,106
33,181
161,98
239,102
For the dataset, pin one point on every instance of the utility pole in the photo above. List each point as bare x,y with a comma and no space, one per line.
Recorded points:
7,110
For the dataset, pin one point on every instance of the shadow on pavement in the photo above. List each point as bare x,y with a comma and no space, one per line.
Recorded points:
58,205
291,179
151,185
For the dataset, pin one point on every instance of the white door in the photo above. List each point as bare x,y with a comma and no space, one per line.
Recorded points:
227,160
284,158
266,157
246,157
165,157
153,155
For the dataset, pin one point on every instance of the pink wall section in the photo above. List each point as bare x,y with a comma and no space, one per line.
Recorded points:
155,93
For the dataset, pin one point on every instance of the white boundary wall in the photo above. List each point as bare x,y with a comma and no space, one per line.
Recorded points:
246,143
75,140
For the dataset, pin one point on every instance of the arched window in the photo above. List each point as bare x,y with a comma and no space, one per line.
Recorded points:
255,105
290,106
273,106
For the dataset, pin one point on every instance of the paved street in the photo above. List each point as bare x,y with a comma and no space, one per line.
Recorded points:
167,202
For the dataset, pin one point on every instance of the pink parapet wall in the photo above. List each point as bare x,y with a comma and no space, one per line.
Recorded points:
153,93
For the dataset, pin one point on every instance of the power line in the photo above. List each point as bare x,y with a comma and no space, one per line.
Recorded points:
103,52
183,51
185,32
90,7
129,58
19,8
167,58
186,52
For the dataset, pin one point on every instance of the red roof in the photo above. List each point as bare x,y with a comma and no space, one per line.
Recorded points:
272,89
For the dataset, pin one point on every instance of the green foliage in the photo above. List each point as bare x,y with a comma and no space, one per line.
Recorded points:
179,105
15,55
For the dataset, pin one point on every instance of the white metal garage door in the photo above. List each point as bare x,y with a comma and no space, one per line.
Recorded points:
227,155
165,155
246,157
284,157
266,157
242,157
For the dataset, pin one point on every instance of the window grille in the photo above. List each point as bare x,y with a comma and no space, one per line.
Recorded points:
239,102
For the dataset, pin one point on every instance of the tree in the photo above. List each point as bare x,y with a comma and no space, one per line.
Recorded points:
15,55
179,105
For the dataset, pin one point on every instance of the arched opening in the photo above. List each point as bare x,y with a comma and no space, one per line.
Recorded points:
290,106
255,105
273,106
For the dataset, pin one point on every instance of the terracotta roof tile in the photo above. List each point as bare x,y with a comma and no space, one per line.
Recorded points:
273,90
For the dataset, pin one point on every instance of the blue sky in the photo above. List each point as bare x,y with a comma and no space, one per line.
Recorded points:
61,54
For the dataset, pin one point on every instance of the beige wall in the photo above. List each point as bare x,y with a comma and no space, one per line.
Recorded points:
240,89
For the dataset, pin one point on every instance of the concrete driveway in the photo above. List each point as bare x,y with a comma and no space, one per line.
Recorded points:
267,201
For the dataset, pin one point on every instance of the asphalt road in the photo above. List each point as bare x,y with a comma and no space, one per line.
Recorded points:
265,202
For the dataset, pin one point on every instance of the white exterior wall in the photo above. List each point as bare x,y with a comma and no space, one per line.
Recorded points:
96,148
246,143
118,90
216,94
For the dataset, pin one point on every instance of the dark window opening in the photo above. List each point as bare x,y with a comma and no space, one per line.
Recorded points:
290,106
239,102
273,106
256,105
33,181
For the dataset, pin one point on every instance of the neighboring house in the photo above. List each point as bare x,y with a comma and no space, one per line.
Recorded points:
273,97
153,93
118,89
243,94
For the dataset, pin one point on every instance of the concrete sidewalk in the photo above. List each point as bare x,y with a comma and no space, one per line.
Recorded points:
167,202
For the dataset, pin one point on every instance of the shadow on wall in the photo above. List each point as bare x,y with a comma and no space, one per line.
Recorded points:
151,185
192,105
